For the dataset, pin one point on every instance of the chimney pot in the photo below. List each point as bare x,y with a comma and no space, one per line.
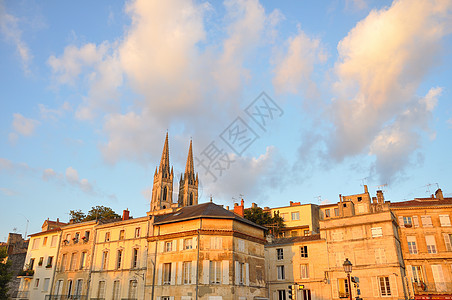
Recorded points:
125,214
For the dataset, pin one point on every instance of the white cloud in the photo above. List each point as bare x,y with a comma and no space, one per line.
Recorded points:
8,192
72,175
48,174
9,27
293,70
23,125
52,113
382,62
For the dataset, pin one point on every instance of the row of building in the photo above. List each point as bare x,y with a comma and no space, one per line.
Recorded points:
187,251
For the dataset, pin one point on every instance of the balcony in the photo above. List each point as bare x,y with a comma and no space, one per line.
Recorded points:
22,295
66,297
432,288
26,273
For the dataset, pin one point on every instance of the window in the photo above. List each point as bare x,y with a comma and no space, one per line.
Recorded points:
215,272
49,262
165,191
135,258
241,245
327,213
137,232
412,247
187,272
216,242
53,241
68,237
295,216
119,259
36,282
304,271
107,236
101,290
63,262
36,244
168,246
360,199
444,220
191,199
31,264
431,244
306,233
188,244
116,290
44,241
122,234
426,221
58,287
407,222
133,289
418,274
343,288
45,286
281,275
448,241
83,260
104,260
336,212
78,287
72,265
304,251
385,289
279,253
86,236
69,288
41,261
380,256
167,273
376,232
77,236
281,295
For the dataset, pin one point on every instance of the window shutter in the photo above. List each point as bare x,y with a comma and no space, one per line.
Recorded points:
247,274
181,244
195,242
444,220
447,241
205,271
173,273
415,221
159,280
171,297
158,297
394,289
335,288
162,246
236,272
401,224
193,272
219,243
173,245
375,287
179,273
225,271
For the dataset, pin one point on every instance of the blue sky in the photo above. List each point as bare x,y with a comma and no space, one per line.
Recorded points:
355,92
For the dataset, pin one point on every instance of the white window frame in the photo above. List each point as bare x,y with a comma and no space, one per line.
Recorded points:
215,272
412,245
304,271
376,232
384,286
295,216
431,244
279,253
280,272
444,220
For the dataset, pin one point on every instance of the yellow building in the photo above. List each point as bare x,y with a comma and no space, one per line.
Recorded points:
426,236
299,219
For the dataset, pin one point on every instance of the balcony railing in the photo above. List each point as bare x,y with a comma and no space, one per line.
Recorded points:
22,295
66,297
438,287
26,273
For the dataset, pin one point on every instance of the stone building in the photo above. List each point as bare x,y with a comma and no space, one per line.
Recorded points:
16,250
426,237
205,252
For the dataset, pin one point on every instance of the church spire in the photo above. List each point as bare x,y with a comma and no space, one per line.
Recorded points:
189,169
188,184
164,162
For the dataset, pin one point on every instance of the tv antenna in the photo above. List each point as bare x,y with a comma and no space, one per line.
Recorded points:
381,186
319,199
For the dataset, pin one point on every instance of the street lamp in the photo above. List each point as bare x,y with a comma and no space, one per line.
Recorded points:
348,269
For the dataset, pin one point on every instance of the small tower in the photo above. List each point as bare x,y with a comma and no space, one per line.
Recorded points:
188,184
162,190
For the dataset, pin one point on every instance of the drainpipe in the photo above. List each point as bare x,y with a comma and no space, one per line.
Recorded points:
55,264
197,262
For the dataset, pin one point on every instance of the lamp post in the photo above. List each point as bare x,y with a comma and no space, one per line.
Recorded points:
348,269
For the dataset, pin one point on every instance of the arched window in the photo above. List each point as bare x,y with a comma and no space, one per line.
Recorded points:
191,199
165,191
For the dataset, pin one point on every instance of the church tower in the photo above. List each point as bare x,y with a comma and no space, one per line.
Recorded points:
188,184
162,190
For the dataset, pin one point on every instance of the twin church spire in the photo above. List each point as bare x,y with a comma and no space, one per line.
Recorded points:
162,190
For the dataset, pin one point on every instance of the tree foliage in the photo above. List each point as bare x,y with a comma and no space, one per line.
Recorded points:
5,274
96,213
274,223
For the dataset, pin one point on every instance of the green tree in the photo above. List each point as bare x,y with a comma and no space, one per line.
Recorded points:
274,223
5,274
96,213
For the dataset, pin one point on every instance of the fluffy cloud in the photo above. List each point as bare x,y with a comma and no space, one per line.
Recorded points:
293,70
22,126
9,28
52,113
381,64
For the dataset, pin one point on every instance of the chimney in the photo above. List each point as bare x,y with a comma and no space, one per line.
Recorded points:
365,189
380,197
291,203
374,200
227,207
240,209
439,194
125,214
253,205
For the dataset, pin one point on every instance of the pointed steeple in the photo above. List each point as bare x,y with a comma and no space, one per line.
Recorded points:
189,169
164,162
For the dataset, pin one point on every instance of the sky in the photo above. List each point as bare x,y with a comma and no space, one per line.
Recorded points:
284,101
